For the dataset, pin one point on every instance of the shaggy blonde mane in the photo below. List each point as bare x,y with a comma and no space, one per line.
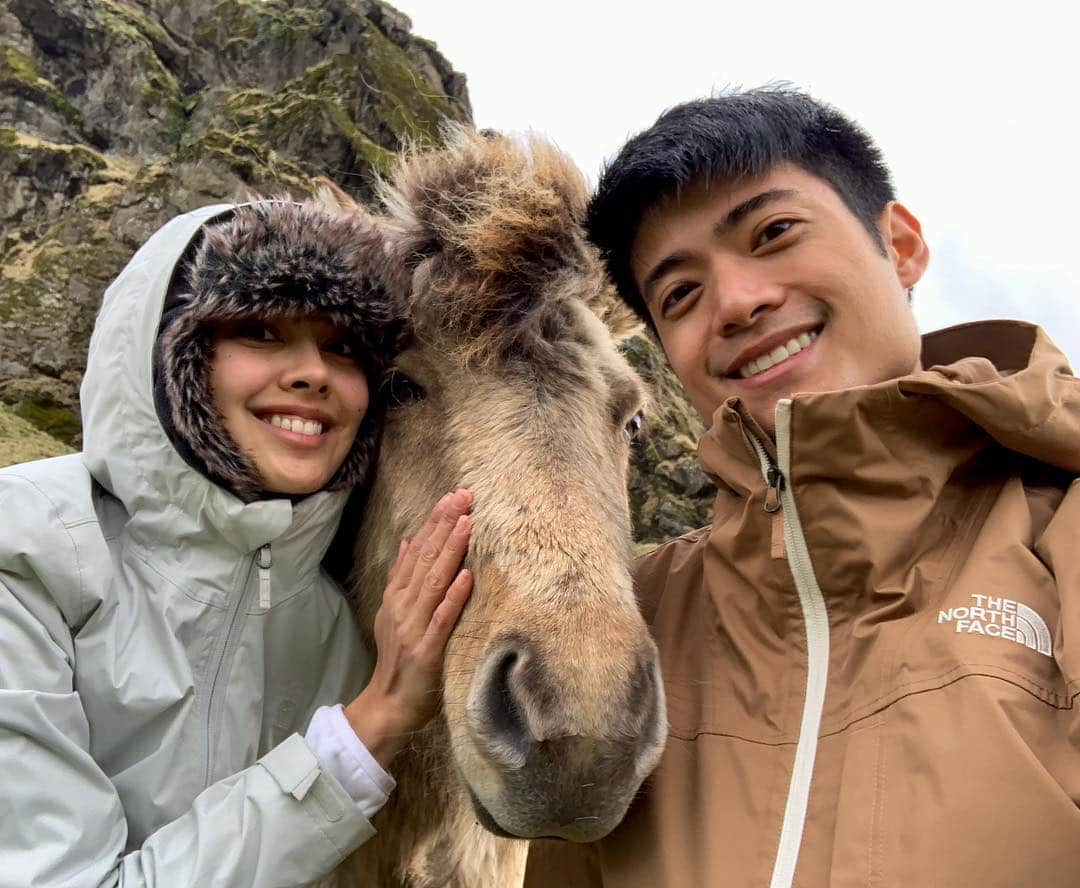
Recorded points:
501,220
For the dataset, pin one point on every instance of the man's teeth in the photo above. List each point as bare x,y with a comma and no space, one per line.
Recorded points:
296,424
781,353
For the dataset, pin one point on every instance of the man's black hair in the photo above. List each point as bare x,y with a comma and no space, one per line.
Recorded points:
723,139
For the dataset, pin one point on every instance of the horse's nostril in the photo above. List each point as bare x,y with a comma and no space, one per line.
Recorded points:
506,730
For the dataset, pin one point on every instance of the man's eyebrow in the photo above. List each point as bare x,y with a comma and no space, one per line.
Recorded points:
732,218
660,269
736,214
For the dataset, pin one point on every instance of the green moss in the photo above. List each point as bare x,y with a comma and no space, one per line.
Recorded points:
237,23
120,18
58,422
407,103
24,147
244,154
36,277
67,167
21,67
19,70
160,90
26,156
21,441
259,121
375,156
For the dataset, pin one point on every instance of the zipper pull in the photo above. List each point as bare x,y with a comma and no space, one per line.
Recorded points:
775,479
263,560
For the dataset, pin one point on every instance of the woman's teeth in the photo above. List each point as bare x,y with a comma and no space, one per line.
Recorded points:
781,353
296,424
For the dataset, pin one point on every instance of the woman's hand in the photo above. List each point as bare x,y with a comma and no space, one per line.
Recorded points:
425,594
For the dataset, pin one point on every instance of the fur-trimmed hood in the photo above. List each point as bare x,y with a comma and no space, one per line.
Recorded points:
273,259
126,446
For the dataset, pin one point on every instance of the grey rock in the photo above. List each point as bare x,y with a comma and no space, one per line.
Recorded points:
12,370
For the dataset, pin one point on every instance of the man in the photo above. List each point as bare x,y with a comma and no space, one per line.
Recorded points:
871,655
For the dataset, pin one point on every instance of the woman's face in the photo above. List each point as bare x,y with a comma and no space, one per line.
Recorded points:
292,395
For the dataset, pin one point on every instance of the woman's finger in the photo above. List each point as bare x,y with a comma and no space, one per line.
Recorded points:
420,539
428,552
445,617
433,588
396,566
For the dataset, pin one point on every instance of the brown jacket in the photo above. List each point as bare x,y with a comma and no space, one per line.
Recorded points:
875,684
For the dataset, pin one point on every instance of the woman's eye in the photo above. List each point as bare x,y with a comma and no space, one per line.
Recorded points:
255,331
633,427
772,231
344,347
674,296
401,390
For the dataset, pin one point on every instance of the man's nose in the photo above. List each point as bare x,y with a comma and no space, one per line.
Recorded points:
306,368
740,297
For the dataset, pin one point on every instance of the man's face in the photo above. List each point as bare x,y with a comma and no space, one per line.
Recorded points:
770,286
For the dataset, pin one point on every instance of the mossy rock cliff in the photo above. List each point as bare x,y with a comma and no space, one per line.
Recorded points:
116,115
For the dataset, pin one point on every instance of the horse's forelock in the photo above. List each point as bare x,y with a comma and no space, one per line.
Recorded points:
501,219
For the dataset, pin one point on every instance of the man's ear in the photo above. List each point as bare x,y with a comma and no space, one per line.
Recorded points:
904,242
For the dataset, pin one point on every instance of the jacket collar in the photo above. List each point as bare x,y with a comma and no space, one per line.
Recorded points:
985,382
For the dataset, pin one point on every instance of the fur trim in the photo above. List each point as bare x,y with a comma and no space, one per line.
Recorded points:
279,259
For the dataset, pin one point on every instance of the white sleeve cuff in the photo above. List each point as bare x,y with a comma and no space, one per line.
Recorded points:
341,754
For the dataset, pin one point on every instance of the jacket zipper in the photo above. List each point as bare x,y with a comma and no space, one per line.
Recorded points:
779,495
262,560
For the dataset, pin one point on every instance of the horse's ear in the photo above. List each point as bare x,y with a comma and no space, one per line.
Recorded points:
370,236
334,198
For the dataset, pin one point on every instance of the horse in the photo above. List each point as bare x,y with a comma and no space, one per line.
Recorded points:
512,385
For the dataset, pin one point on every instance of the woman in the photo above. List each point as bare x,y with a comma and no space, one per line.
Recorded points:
167,632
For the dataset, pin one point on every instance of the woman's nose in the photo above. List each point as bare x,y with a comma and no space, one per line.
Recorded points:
306,368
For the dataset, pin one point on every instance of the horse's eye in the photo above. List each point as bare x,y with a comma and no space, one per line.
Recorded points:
401,390
633,427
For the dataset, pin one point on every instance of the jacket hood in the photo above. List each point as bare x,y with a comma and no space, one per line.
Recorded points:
1000,381
125,446
1011,380
275,259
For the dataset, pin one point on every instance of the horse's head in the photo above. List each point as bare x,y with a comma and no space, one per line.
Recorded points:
513,387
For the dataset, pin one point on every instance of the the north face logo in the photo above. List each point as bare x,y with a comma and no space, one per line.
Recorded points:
1001,618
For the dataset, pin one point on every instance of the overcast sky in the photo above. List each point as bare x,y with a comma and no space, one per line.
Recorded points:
975,110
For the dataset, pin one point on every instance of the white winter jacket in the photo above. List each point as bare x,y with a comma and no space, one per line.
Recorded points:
149,702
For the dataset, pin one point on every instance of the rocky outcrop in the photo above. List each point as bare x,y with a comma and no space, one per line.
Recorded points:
115,115
669,493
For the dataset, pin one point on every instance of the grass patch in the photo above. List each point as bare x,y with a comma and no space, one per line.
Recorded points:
21,441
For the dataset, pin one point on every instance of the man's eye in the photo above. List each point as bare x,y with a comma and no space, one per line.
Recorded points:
772,231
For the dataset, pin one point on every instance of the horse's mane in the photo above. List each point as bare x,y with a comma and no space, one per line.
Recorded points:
502,218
